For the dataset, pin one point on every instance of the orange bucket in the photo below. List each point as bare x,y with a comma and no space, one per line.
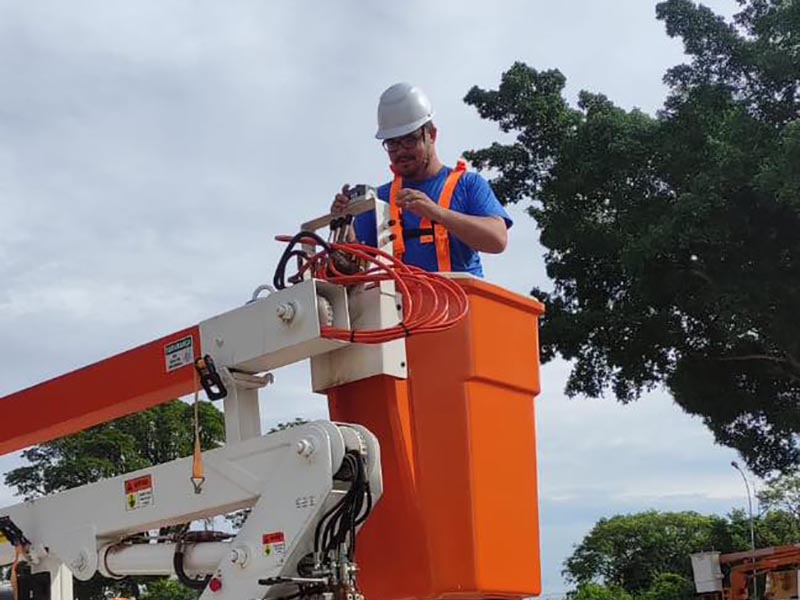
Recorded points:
459,514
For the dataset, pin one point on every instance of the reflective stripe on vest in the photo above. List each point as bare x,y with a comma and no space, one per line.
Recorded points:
440,235
396,216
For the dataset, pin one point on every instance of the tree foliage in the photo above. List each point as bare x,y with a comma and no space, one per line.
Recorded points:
670,586
631,551
141,440
647,555
672,240
296,422
168,589
781,493
593,591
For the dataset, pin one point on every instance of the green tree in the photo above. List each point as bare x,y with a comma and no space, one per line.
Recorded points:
141,440
775,527
168,589
296,422
670,586
647,555
631,551
592,591
672,240
782,493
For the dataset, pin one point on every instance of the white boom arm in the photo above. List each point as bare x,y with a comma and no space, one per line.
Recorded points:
308,487
288,480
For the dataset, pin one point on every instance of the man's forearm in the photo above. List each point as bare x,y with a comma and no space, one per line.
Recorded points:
485,234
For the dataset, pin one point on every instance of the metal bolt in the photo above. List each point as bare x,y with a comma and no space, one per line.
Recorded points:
238,556
286,312
219,341
305,448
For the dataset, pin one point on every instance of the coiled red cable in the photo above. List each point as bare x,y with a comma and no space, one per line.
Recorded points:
430,302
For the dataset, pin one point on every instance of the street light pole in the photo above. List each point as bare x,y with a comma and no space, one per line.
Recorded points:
736,466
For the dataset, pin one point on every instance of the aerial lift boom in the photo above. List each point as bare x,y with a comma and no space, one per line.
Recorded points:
430,381
308,488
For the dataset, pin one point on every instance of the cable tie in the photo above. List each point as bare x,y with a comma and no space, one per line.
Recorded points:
352,336
406,329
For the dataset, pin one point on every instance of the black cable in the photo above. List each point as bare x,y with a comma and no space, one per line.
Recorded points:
362,486
279,280
108,570
318,534
332,535
338,525
343,526
328,533
183,578
368,510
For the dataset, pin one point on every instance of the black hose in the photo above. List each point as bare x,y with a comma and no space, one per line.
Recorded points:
183,578
279,280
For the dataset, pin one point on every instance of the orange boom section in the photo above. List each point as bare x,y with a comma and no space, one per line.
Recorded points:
133,381
459,514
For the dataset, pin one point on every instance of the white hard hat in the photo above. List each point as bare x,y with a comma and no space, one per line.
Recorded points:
403,108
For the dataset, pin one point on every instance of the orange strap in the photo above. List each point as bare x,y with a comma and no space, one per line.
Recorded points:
396,216
198,478
439,233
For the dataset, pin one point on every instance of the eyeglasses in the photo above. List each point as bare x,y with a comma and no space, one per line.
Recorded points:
407,142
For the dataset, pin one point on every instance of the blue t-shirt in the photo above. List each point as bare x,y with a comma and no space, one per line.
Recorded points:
472,196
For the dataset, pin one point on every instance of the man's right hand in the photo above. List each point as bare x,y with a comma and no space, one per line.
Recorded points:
341,201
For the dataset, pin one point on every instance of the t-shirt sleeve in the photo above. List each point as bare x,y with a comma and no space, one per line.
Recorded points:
481,201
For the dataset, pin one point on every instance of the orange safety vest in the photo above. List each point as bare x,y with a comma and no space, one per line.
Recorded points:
440,235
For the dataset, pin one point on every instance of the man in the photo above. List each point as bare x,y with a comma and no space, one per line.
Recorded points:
443,216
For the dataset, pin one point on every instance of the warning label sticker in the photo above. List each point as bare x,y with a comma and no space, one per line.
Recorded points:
139,492
179,353
274,543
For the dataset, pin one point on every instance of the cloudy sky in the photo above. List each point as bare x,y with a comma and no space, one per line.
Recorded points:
149,152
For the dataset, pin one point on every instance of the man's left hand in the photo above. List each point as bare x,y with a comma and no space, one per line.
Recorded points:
419,204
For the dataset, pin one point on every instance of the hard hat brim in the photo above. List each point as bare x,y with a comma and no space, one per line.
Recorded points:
394,132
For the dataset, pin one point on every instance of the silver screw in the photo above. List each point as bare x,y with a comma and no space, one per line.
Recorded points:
238,556
305,448
287,311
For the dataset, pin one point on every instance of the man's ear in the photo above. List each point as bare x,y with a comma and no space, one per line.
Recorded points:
432,132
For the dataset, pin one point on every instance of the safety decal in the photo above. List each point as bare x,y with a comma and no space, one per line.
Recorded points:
139,492
274,543
179,353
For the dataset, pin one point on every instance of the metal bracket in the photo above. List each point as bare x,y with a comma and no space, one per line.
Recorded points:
209,378
77,549
13,533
